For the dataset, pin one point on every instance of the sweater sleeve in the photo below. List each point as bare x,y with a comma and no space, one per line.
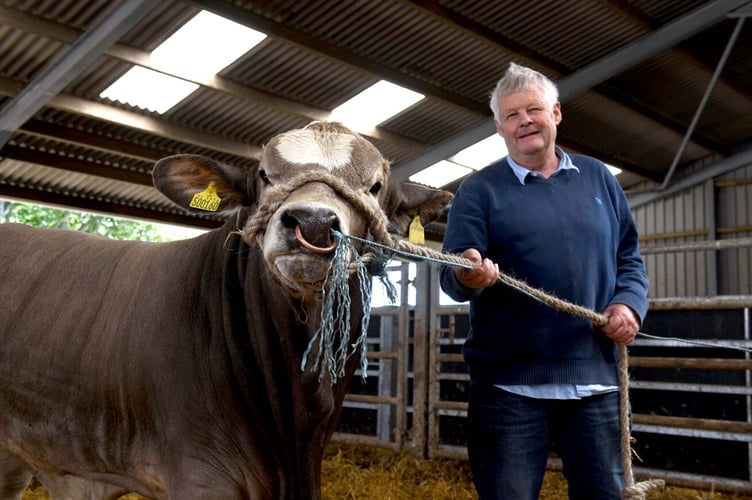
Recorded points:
466,228
631,277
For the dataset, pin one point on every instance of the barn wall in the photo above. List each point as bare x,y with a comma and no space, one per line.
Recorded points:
718,209
734,210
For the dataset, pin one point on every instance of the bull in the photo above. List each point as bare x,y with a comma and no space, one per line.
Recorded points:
174,370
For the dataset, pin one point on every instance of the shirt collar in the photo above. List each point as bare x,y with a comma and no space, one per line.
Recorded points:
565,163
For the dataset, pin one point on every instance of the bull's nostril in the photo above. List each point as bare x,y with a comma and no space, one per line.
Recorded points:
289,221
314,226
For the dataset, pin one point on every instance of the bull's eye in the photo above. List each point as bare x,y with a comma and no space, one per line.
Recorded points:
264,177
375,189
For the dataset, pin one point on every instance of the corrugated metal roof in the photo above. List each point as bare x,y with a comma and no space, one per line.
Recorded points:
319,53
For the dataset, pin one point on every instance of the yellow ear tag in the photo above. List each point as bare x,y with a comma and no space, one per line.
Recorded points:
207,199
416,234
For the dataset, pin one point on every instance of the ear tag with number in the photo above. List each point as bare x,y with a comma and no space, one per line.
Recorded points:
416,234
207,199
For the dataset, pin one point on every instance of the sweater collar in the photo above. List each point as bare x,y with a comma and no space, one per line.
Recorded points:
565,163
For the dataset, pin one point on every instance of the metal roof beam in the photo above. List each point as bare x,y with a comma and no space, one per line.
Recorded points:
66,34
144,123
589,76
78,56
337,53
73,164
703,102
472,28
110,207
661,39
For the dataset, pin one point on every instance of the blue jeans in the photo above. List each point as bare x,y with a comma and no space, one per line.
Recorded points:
510,437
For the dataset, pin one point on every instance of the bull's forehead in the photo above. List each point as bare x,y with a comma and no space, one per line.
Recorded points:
331,151
346,155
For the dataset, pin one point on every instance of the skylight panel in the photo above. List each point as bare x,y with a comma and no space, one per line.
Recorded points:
201,48
482,153
440,174
205,45
149,89
375,105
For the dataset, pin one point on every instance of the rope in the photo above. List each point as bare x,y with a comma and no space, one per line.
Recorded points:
334,352
330,341
632,490
274,196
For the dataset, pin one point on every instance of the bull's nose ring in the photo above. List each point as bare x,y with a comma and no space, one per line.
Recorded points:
311,247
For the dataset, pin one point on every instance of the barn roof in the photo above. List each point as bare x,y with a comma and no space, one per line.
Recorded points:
654,87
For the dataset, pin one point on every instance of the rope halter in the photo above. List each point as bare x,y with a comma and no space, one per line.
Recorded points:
330,345
274,196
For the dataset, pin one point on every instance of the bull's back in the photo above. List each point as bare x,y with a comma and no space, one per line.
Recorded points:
83,320
60,284
73,294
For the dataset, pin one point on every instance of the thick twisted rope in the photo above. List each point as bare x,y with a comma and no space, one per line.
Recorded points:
632,490
275,195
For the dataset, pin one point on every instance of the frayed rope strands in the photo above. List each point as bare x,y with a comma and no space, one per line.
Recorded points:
331,338
632,490
333,352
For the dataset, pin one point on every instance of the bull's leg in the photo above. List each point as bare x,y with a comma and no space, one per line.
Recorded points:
15,475
67,487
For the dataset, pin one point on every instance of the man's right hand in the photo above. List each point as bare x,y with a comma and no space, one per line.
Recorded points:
484,273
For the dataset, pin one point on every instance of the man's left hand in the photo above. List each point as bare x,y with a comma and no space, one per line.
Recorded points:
622,326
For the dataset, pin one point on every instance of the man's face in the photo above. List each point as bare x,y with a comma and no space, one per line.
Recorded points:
527,123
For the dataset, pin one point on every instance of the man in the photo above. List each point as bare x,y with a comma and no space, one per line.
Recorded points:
541,377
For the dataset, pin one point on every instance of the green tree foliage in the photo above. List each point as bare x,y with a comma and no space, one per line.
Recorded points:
110,227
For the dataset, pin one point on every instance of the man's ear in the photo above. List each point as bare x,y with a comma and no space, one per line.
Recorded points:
200,185
405,200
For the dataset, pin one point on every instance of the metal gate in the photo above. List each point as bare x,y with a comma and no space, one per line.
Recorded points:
415,394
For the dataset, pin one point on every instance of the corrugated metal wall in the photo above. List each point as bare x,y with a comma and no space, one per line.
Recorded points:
715,210
734,213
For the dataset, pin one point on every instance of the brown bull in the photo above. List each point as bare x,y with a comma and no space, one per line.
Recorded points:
174,369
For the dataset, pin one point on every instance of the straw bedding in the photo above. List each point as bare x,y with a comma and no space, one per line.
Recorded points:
370,473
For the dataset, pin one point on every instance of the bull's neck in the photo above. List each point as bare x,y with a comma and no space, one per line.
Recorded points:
291,412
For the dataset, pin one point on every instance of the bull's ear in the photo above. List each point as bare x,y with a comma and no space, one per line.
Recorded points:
406,200
199,184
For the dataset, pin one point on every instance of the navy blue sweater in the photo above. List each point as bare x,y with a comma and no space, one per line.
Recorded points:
571,235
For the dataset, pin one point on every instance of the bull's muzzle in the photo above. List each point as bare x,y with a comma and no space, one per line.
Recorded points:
313,228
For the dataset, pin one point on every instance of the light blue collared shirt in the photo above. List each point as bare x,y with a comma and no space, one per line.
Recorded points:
553,391
565,163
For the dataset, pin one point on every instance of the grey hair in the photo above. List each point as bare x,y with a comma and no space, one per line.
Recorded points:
519,78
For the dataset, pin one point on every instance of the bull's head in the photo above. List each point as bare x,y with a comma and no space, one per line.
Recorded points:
309,183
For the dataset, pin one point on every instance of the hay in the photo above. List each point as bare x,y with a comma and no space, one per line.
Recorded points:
364,473
367,473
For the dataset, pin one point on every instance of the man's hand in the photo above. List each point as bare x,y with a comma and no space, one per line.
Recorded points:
483,275
622,326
